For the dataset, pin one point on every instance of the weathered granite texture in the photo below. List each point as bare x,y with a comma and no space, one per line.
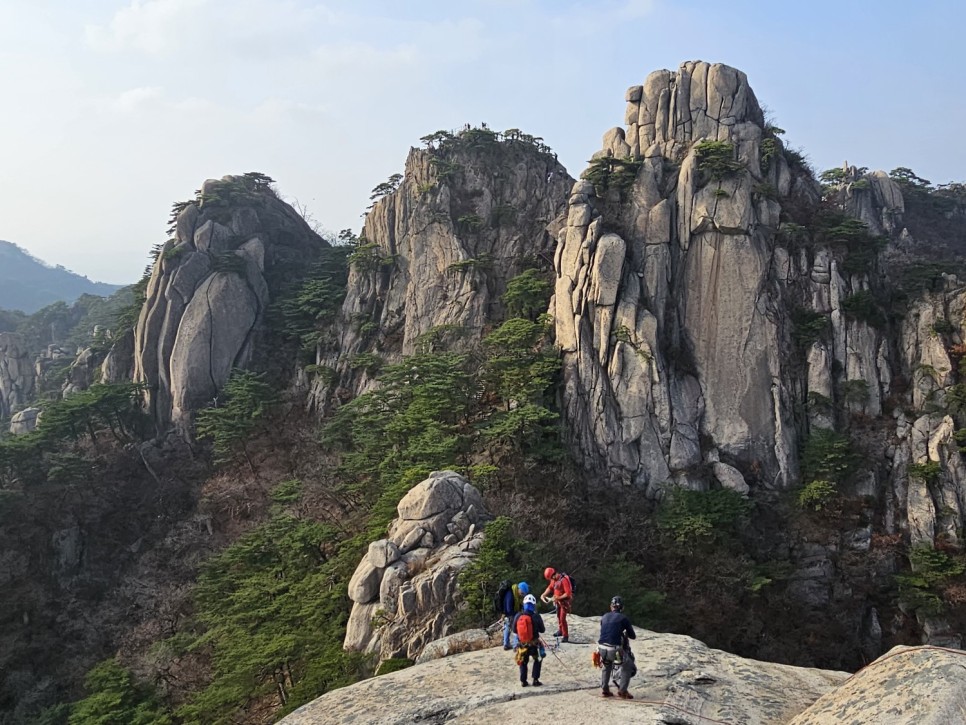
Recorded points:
906,686
675,288
17,378
24,421
466,217
680,680
404,590
209,290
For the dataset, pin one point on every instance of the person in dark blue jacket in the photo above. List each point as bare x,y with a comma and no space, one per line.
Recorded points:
512,604
615,649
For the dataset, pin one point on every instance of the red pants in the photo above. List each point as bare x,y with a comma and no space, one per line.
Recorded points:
562,618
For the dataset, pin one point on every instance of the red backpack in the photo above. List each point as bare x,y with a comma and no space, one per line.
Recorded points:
525,628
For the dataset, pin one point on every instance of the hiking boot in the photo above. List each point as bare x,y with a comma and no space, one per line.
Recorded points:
606,693
625,695
537,683
507,647
557,633
524,683
565,639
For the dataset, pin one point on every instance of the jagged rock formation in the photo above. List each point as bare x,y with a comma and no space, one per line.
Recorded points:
691,245
437,252
665,306
404,590
674,290
209,290
16,374
680,680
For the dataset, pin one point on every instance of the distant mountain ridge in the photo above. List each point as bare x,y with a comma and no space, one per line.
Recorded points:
28,284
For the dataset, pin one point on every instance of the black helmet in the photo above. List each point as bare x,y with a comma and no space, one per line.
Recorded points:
617,604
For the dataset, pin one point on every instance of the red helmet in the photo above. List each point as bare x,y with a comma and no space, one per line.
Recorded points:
548,573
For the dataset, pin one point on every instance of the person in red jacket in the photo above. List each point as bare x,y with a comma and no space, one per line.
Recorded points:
562,596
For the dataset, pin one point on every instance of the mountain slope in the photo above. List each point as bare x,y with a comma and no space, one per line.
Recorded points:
28,284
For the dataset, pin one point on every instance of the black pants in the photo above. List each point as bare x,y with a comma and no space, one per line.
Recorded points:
532,651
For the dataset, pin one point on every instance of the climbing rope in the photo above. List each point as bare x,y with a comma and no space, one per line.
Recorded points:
705,718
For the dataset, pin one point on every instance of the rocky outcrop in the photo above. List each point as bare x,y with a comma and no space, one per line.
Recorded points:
679,680
666,302
677,276
209,289
17,377
470,213
24,421
82,372
118,365
404,590
932,691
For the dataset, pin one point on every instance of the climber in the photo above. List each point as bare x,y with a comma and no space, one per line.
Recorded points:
563,597
511,605
614,648
529,626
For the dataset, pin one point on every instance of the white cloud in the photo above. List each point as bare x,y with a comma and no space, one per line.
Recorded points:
363,56
249,29
275,111
149,26
134,99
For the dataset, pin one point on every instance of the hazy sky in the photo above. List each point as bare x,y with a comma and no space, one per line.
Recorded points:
113,109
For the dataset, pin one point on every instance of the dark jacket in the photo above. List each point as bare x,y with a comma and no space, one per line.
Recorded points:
613,627
538,627
509,603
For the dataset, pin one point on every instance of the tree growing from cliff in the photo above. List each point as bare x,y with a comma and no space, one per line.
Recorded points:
246,400
717,159
527,295
416,418
386,187
501,556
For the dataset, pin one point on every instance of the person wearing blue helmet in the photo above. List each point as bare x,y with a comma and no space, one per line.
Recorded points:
528,626
512,604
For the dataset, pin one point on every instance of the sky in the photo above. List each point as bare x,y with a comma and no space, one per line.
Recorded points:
110,110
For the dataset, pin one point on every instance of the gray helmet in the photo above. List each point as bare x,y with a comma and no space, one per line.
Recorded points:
617,604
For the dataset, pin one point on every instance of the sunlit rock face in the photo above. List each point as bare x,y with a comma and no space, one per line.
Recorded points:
17,378
209,290
668,299
404,590
469,213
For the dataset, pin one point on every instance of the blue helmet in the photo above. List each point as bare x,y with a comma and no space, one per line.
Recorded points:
529,603
524,588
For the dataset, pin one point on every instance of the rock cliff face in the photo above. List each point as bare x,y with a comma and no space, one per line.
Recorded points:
208,292
675,286
16,375
404,590
469,213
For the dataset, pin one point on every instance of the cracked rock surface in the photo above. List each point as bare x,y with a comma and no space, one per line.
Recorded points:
445,246
680,680
17,377
208,293
404,589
